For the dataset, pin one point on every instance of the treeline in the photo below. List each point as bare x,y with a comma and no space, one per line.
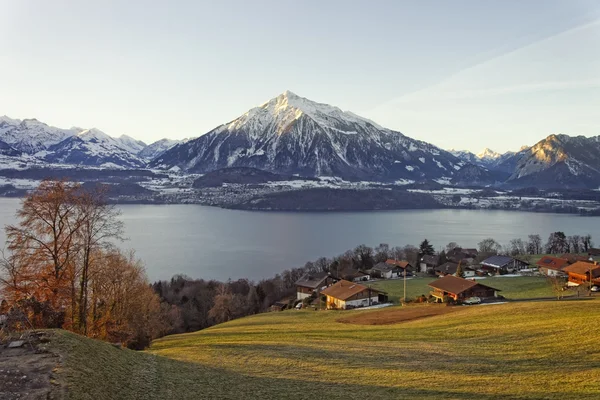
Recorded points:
61,270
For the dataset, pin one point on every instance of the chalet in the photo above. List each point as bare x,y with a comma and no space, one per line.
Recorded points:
449,268
452,287
386,270
573,258
428,263
499,265
463,256
582,272
594,252
345,294
312,283
354,275
552,266
401,264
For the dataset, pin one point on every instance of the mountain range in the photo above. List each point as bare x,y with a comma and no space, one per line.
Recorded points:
292,135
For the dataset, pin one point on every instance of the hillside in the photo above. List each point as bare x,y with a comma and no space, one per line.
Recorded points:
476,352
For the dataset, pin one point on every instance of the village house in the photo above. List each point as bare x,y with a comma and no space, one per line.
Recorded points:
392,269
354,275
450,268
312,283
463,256
593,252
345,294
583,272
573,258
499,265
386,271
458,289
552,266
428,263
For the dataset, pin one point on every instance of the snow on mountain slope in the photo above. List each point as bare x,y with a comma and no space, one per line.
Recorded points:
130,144
293,135
30,135
93,147
559,161
488,154
157,148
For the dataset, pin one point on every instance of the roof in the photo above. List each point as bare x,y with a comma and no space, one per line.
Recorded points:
594,252
450,267
554,263
497,261
401,264
384,267
574,257
352,273
583,268
431,260
312,281
455,285
345,289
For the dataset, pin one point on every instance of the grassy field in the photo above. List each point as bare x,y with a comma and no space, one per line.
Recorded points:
523,287
530,350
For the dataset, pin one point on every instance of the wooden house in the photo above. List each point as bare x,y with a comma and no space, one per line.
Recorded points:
428,263
583,272
552,266
345,294
312,283
499,265
450,268
452,287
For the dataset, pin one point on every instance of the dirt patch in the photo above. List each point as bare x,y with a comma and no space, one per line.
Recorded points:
26,371
397,315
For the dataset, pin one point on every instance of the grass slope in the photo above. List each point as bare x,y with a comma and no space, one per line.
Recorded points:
523,287
531,350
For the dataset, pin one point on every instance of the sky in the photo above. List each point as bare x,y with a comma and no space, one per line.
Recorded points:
459,74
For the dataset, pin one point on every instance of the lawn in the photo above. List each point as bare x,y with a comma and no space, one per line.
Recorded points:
530,350
522,287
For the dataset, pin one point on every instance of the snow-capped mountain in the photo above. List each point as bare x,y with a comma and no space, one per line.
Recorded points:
30,135
488,154
93,147
487,158
130,144
293,135
157,148
559,161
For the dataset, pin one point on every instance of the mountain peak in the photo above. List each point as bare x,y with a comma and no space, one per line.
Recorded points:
488,154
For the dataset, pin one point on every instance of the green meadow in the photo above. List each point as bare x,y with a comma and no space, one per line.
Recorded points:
522,287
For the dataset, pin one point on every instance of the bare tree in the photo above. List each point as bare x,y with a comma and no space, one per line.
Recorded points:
489,245
557,285
534,244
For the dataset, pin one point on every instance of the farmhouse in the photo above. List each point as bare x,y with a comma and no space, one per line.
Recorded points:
386,270
582,272
452,287
449,268
428,263
312,283
503,265
573,258
345,294
460,255
552,266
593,252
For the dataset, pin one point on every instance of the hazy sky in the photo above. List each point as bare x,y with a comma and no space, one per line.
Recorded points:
459,74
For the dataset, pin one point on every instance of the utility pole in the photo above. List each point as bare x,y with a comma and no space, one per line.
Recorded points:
404,285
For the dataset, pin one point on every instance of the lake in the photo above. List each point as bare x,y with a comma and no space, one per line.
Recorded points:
213,243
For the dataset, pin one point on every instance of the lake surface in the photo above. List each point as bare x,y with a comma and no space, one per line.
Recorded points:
213,243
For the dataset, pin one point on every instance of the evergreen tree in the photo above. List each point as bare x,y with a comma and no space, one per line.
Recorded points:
426,249
459,271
